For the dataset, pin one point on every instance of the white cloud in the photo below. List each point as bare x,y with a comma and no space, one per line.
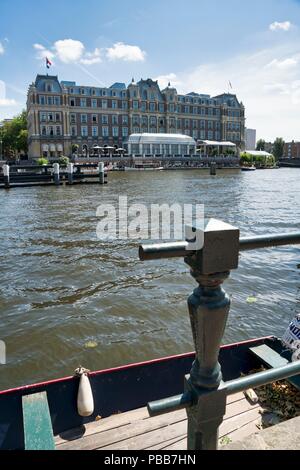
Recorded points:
283,64
5,102
1,49
283,26
69,50
280,88
43,52
91,58
271,95
164,80
121,51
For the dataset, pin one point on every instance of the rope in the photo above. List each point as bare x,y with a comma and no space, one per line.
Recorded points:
81,370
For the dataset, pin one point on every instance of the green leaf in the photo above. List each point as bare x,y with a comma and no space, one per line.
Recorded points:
251,299
91,344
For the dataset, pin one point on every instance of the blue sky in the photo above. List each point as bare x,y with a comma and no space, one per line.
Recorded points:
198,45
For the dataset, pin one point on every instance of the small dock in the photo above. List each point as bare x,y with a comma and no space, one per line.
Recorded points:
135,430
46,175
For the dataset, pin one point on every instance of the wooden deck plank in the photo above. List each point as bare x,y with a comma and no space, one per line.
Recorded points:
163,444
236,422
38,432
136,430
242,432
243,426
104,424
123,432
118,420
179,445
142,441
177,430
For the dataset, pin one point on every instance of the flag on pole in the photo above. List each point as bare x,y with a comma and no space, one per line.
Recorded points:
48,63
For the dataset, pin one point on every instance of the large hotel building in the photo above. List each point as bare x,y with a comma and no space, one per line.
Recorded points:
61,114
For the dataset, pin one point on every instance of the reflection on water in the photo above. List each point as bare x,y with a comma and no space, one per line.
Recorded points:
62,288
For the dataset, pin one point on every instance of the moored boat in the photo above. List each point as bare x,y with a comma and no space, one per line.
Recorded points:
248,168
119,389
143,168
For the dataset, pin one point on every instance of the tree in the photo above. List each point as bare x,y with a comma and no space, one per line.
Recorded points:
14,136
278,148
260,145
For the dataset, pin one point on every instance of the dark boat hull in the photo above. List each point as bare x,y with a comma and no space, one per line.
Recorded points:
117,390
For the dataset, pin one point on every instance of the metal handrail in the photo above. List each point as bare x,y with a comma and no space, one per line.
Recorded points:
205,393
179,249
184,400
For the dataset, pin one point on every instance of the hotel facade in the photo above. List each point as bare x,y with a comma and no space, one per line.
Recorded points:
62,115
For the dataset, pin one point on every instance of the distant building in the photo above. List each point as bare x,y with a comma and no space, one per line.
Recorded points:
269,147
250,139
62,115
291,150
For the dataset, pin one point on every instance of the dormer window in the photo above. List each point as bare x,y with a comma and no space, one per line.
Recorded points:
49,87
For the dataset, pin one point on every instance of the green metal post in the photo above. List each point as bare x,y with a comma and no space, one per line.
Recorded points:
208,309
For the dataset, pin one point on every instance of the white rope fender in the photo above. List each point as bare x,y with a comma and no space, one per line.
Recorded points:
85,400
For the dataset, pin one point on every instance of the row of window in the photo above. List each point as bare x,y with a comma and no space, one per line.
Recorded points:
144,94
233,126
116,132
84,132
152,120
95,118
136,105
234,136
97,91
49,100
51,130
54,117
152,107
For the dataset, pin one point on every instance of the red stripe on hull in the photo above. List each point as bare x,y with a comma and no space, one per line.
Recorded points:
125,367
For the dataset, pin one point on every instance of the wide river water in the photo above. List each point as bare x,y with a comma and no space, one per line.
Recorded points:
67,298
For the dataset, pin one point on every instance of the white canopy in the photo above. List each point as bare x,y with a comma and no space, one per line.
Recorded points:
160,138
215,143
258,153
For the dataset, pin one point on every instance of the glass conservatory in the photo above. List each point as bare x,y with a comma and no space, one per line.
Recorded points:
160,144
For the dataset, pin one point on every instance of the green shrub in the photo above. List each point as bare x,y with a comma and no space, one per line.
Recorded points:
75,148
63,161
42,161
